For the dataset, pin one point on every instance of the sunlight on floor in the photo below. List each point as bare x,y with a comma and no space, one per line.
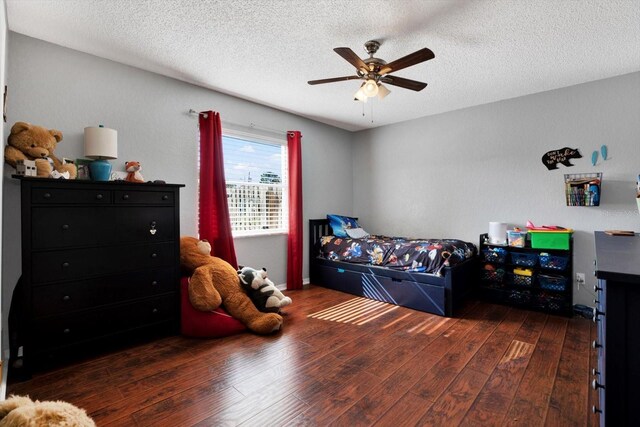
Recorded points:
357,311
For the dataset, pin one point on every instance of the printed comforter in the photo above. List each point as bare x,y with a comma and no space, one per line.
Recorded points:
419,255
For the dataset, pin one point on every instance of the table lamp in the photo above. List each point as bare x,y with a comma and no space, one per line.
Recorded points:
100,144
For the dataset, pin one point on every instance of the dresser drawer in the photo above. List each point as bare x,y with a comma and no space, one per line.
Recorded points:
75,264
55,300
134,257
145,224
144,197
70,196
61,227
92,324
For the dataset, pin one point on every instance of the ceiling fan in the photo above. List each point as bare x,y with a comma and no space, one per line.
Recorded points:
375,71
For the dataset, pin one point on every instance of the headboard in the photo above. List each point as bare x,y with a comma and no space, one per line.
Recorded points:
317,229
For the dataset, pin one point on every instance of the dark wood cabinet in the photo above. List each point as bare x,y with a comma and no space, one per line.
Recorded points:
617,314
546,286
100,265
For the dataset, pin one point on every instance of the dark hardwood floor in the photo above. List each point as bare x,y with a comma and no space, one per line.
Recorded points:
346,361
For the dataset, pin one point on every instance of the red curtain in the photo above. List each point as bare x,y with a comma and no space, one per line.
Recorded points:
214,224
294,243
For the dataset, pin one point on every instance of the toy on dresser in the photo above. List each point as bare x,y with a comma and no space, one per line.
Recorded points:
30,146
133,172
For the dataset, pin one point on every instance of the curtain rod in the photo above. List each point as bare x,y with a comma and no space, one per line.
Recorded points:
251,125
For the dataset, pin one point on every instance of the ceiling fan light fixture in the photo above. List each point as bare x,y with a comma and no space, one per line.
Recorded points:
360,95
370,88
382,91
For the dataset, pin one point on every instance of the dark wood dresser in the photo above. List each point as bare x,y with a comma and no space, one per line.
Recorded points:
617,313
100,265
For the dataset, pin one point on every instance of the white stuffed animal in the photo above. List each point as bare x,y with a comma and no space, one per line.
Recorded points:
261,290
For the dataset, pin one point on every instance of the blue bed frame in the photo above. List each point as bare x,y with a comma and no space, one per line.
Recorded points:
419,291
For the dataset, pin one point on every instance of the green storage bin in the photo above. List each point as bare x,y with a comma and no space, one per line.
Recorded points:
550,239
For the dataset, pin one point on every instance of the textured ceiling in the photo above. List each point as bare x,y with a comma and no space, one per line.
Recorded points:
266,50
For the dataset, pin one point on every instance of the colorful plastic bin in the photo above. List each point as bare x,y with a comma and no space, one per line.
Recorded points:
517,239
552,283
495,255
553,262
550,239
525,259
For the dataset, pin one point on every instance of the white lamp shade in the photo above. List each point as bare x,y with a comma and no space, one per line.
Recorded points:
382,91
360,96
370,88
100,143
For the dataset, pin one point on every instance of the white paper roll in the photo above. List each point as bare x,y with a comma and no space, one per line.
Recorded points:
498,233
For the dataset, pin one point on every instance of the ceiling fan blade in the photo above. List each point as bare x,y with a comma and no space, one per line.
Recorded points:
335,79
404,83
407,61
352,58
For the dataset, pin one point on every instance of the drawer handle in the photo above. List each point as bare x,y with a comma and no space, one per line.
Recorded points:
595,301
67,331
165,197
596,385
153,230
154,255
596,410
125,197
154,283
47,195
65,264
65,226
594,372
66,298
99,196
597,288
154,311
595,344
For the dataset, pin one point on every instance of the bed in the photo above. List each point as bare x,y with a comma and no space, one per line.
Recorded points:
439,288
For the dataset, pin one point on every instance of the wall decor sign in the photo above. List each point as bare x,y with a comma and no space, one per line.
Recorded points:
562,155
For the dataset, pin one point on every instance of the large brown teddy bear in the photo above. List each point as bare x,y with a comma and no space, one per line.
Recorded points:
214,282
31,142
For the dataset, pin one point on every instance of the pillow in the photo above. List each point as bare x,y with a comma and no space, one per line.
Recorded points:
340,223
357,233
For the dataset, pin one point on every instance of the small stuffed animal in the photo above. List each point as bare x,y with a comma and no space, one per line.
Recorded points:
262,291
133,169
18,411
31,142
214,282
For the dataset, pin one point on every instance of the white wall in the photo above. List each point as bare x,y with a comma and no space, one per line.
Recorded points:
449,175
67,90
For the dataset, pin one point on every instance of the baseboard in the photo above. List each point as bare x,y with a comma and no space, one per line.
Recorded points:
305,284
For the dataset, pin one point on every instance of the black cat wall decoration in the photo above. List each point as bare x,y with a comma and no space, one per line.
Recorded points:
562,156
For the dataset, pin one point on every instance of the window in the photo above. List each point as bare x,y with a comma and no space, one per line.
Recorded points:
256,178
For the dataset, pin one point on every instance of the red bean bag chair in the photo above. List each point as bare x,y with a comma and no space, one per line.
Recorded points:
200,324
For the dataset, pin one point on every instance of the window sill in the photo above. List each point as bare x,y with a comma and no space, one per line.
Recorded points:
253,234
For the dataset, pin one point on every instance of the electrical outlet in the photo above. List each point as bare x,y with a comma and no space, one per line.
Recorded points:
580,279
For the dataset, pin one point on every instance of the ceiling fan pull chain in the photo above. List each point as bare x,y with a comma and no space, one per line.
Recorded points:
371,111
